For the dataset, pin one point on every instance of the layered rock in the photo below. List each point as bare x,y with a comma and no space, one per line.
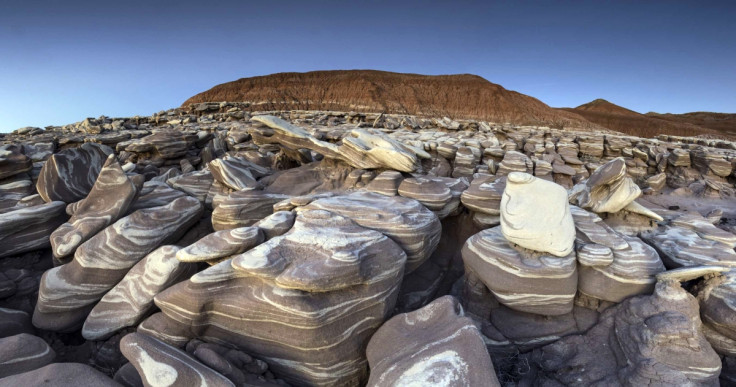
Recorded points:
645,340
405,221
68,292
13,161
608,189
160,364
107,201
521,279
131,299
535,215
361,148
237,173
29,228
681,246
435,345
485,194
221,244
329,284
244,208
432,194
69,175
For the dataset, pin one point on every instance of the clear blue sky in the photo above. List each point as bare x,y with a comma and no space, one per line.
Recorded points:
62,61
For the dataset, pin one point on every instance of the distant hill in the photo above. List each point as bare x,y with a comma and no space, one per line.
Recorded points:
455,96
724,123
620,119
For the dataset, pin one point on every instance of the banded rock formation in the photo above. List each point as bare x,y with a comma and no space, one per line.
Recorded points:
68,292
323,262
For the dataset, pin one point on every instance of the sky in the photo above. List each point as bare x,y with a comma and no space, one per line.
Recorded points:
62,61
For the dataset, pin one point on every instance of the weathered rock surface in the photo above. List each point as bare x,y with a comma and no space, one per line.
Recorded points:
435,345
329,284
521,279
405,221
535,215
107,201
132,298
29,228
608,189
361,149
244,208
68,292
645,340
12,161
221,244
69,175
160,364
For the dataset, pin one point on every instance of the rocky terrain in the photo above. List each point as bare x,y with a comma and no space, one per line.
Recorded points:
218,245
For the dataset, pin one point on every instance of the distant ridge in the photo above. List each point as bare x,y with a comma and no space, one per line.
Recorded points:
455,96
620,119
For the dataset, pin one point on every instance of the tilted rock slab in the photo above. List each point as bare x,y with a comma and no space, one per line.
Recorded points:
221,244
160,364
235,173
132,298
408,223
435,345
360,148
681,246
535,215
305,302
521,279
108,200
244,208
609,188
68,292
28,229
69,175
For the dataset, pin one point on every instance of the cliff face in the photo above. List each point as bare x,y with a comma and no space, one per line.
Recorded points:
455,96
620,119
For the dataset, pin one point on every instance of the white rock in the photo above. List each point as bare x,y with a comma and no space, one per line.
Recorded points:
535,215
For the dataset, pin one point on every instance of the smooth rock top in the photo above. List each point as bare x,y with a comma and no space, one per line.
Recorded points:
435,345
535,215
342,254
407,222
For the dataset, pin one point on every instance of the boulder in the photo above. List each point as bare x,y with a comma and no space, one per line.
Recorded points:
435,345
535,215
